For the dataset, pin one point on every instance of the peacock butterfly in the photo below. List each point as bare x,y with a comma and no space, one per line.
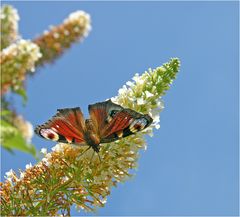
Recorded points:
108,122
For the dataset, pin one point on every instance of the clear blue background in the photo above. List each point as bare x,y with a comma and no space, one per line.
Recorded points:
191,164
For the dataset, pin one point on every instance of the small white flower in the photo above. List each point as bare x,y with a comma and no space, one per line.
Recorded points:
46,32
2,16
140,101
123,90
75,15
56,35
15,14
10,179
58,148
148,94
22,174
32,69
46,162
51,27
88,28
135,77
130,84
160,104
9,174
130,159
156,118
25,127
138,79
104,200
145,147
39,55
48,156
66,32
76,29
79,207
65,178
29,132
28,166
83,20
44,151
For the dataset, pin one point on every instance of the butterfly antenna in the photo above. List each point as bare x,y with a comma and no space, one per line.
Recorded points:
83,152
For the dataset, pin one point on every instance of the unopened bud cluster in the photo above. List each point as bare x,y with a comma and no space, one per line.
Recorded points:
56,40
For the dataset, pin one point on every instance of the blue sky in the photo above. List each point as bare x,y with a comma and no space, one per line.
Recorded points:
191,164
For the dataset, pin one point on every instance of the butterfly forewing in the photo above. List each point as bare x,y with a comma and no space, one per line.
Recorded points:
66,126
115,122
100,113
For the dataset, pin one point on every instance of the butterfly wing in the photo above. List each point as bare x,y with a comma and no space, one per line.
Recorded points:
114,122
66,126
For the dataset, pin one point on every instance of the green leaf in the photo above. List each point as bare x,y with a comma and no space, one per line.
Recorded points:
11,138
18,142
23,94
9,150
5,112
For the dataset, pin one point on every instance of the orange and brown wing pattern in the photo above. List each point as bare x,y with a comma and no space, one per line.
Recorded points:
114,122
66,126
100,114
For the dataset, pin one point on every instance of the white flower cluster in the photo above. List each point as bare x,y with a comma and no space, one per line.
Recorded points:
11,177
141,95
11,14
20,50
60,147
9,22
28,166
43,151
25,127
83,19
47,157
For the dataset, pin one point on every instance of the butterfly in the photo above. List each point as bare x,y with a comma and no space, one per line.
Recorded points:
108,122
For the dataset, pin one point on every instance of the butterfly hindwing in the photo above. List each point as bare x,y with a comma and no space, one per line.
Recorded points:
114,122
66,126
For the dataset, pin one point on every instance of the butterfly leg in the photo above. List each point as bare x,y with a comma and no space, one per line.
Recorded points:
92,155
83,153
98,156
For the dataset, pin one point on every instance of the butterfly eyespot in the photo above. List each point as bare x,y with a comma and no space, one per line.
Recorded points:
49,134
113,113
138,125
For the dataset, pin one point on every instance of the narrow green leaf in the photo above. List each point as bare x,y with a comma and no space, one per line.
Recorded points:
11,138
23,94
5,112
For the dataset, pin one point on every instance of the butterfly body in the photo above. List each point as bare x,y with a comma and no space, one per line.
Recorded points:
90,135
108,122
